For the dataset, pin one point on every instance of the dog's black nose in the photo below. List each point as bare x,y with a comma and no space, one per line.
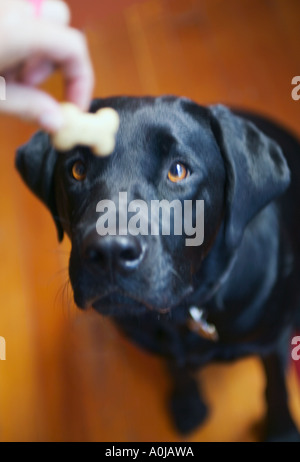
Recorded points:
123,253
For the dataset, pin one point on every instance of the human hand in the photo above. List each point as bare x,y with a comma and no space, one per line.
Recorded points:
31,49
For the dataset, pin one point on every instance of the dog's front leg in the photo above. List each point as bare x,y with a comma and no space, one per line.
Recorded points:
280,425
185,403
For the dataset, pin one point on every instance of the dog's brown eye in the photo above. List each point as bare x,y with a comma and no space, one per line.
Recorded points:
79,171
178,172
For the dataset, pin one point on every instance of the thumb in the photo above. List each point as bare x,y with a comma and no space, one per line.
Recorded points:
33,105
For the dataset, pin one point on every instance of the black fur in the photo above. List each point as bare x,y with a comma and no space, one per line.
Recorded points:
246,273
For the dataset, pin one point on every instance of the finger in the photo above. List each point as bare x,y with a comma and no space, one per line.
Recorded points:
68,49
79,82
39,74
64,47
55,11
33,105
35,71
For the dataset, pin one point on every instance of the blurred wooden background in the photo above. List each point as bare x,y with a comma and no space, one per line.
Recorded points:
70,376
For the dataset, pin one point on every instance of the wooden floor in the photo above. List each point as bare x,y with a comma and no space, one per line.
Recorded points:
70,376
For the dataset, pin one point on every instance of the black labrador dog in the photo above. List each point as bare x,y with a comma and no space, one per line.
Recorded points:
234,295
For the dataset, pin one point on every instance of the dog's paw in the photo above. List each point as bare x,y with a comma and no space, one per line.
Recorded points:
187,409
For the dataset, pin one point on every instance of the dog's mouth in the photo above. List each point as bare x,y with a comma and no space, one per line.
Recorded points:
117,303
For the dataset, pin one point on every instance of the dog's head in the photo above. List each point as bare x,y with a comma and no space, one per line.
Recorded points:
171,154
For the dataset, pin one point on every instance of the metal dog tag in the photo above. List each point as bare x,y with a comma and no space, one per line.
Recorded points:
199,325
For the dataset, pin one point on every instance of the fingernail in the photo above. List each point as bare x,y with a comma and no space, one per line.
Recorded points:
52,122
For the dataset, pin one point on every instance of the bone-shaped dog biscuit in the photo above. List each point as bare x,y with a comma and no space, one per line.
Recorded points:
97,131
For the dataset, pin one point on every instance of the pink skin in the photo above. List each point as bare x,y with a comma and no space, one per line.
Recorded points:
37,5
41,45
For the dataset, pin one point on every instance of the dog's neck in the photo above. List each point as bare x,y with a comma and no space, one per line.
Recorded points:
233,284
243,283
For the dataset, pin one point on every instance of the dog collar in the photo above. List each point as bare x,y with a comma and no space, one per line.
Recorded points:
197,321
198,324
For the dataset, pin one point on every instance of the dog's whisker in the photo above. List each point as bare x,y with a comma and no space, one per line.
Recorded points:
176,274
57,274
59,294
66,299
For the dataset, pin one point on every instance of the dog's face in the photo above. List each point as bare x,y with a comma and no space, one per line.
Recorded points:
168,149
156,158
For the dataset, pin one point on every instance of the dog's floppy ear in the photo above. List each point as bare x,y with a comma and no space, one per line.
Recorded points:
257,171
36,163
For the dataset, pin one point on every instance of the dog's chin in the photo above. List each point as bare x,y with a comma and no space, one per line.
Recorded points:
119,305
